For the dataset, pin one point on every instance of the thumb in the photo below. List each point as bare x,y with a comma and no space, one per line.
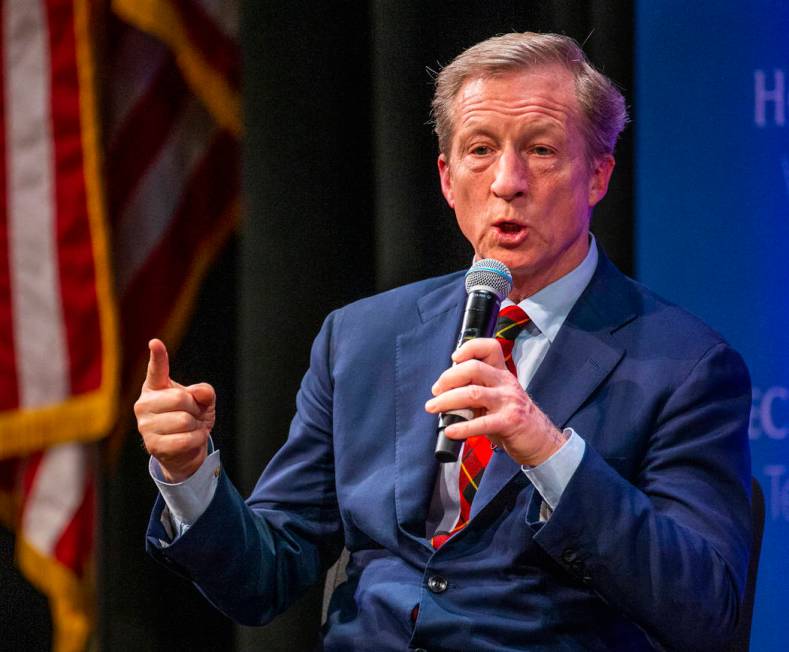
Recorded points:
203,394
158,376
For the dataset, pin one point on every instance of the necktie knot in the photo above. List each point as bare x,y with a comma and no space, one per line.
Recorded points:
512,320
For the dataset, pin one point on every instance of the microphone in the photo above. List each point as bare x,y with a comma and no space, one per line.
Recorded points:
488,281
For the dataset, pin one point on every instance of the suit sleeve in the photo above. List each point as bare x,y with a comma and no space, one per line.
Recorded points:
670,549
253,559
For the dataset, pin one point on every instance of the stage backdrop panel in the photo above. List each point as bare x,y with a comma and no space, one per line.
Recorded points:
712,222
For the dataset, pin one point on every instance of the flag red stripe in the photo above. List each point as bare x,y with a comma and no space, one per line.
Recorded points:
9,392
219,51
29,472
75,544
143,134
77,274
210,191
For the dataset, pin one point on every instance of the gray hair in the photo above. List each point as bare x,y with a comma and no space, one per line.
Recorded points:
602,105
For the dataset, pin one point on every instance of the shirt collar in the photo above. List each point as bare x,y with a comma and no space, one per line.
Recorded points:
549,307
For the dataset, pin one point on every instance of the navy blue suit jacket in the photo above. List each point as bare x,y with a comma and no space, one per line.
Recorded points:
647,547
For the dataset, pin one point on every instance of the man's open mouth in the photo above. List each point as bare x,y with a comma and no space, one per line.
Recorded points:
506,226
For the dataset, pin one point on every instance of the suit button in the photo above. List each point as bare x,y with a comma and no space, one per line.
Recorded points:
437,584
420,649
569,555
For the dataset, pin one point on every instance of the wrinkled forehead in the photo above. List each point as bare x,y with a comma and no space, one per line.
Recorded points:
545,90
550,88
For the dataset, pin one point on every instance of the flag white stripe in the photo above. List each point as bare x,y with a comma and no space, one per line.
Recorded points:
56,494
39,332
150,211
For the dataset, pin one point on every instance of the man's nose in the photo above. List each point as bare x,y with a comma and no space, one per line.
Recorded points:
510,180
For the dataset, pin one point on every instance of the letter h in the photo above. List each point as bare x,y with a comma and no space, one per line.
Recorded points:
761,96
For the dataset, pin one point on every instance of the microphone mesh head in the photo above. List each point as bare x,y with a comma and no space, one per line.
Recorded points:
489,274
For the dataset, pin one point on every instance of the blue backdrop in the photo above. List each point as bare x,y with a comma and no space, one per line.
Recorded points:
712,188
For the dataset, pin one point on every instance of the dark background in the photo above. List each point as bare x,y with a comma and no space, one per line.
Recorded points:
341,200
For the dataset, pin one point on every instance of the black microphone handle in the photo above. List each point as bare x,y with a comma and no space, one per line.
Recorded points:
479,320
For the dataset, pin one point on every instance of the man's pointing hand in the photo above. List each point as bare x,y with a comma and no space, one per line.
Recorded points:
174,420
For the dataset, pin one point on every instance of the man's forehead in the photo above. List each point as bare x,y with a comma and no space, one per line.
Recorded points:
553,78
547,91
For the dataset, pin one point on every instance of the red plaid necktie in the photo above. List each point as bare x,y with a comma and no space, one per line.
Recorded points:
477,450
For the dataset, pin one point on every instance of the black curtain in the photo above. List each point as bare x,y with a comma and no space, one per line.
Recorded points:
341,200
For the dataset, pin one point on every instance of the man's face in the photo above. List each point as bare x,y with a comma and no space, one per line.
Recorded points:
518,175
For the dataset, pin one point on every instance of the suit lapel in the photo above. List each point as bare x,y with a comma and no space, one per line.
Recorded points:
422,354
583,354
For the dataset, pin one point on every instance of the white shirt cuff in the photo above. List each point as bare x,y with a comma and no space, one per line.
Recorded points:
552,476
187,501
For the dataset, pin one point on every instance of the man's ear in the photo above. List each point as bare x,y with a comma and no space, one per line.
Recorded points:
602,169
446,180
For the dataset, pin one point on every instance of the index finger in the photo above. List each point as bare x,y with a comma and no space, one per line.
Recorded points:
158,376
470,372
484,349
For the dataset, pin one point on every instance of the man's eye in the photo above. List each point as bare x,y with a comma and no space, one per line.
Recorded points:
542,150
480,150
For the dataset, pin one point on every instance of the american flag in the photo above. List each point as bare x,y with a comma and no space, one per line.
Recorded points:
82,242
172,160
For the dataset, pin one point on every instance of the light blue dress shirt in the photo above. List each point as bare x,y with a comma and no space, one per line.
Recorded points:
186,501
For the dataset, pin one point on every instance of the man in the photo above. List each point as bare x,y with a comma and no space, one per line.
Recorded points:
613,512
